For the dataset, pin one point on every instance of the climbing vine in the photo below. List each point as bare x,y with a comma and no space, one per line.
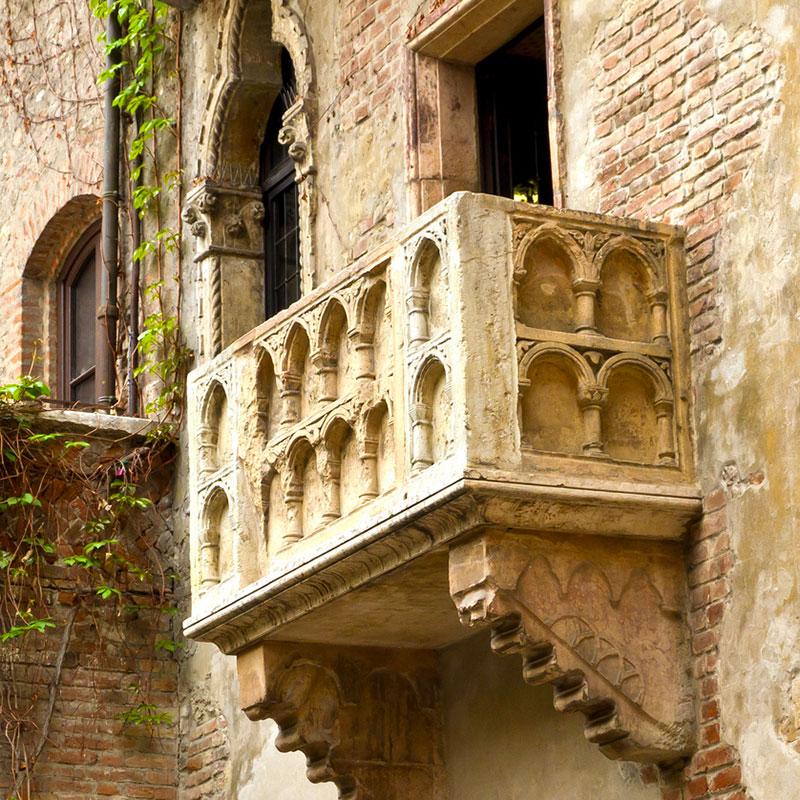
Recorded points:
79,517
78,542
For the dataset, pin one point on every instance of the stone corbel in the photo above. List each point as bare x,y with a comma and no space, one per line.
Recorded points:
369,720
603,625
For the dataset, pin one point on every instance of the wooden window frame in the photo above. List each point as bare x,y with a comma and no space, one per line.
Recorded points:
89,242
443,55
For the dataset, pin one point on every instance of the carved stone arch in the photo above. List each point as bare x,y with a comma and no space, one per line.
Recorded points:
294,379
431,419
427,294
661,384
583,372
332,354
216,537
637,420
628,308
557,402
582,268
39,288
215,430
246,86
554,283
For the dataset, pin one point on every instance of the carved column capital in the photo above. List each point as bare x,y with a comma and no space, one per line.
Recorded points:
225,220
594,622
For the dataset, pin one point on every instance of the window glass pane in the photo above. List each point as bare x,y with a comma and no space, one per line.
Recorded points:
84,312
281,235
83,391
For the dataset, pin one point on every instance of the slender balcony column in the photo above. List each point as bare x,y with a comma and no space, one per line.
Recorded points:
326,370
293,498
208,449
421,432
666,437
658,316
592,399
585,299
209,564
290,398
369,470
331,475
417,302
364,356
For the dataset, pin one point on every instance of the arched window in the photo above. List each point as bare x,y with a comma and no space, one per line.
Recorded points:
281,224
77,314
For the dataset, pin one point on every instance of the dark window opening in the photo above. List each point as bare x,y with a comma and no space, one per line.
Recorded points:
513,119
281,219
77,318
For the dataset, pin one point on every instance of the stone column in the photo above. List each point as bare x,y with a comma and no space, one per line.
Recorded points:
369,470
421,434
591,400
585,297
326,370
658,316
290,398
293,499
417,303
331,475
666,438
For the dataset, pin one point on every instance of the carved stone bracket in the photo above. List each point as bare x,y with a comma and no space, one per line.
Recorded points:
599,622
370,721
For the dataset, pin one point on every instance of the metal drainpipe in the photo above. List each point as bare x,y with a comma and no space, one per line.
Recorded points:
107,312
133,336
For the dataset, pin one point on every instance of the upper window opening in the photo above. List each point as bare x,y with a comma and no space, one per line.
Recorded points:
513,119
281,218
77,317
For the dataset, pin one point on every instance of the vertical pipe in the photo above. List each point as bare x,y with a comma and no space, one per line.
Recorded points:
107,313
133,331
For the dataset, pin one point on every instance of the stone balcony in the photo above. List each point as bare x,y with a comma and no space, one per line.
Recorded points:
484,423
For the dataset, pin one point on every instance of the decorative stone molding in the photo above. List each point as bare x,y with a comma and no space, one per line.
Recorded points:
331,704
605,628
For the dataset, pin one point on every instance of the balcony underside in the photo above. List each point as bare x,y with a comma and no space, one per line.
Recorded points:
396,564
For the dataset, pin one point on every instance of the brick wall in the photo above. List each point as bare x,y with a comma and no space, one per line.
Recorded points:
204,756
682,107
90,750
370,57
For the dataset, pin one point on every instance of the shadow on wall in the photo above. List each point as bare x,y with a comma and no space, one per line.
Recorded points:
504,739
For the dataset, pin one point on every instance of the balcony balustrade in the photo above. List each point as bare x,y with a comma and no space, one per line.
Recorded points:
491,411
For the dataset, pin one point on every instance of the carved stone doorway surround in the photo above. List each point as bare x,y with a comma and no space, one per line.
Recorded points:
224,209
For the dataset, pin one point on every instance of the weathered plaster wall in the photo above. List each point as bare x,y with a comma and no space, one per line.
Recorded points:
504,739
743,234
